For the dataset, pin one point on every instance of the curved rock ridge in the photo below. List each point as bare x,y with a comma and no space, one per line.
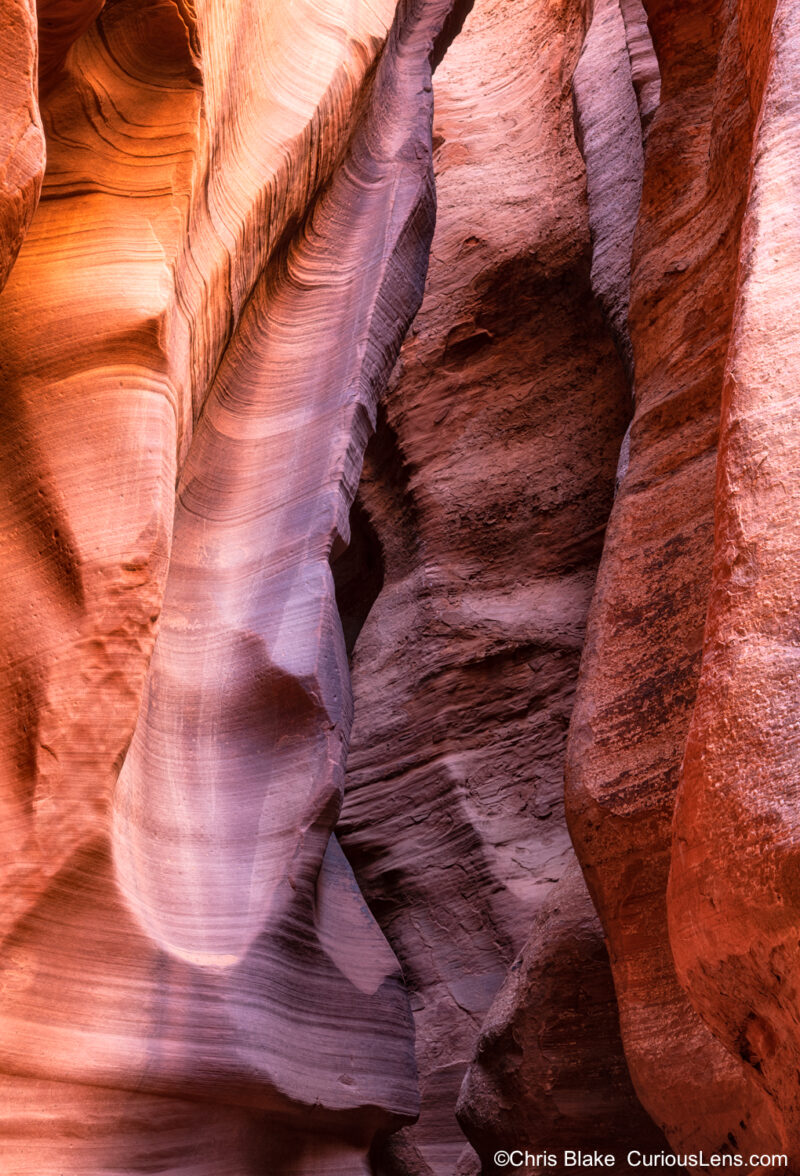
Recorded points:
641,661
22,146
733,897
221,191
128,286
488,485
61,23
236,760
609,128
549,1070
645,69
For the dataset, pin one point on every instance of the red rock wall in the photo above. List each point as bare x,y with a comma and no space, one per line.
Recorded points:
642,651
577,510
644,706
733,896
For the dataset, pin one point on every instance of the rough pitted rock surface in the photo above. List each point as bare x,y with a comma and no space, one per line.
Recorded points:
733,897
549,1070
216,222
641,663
488,486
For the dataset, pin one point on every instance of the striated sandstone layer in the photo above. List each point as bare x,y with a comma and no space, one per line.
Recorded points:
734,899
22,146
644,63
224,183
203,296
487,489
641,664
609,128
549,1069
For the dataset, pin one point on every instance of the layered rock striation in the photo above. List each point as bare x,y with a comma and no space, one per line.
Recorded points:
733,898
657,712
21,137
487,488
186,934
549,1073
299,640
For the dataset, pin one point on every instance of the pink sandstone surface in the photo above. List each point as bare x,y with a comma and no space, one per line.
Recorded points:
488,485
397,602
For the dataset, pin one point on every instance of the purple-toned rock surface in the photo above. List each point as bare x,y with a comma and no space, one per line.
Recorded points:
549,1072
488,487
222,186
289,884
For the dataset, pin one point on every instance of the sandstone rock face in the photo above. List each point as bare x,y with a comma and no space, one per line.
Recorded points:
733,885
609,132
549,1071
21,137
639,678
188,930
216,218
645,68
488,486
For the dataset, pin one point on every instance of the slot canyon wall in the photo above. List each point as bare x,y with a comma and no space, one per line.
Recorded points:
397,628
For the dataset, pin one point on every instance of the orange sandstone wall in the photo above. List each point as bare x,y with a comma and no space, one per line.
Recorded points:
287,625
231,241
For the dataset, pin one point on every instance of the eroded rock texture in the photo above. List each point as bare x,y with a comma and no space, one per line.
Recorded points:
733,886
549,1070
488,486
609,128
204,295
21,137
231,242
694,1037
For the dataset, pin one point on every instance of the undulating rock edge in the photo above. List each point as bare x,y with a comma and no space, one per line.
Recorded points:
245,201
667,763
339,532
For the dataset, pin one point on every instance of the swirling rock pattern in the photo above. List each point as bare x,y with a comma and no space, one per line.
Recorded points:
216,218
190,930
488,487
